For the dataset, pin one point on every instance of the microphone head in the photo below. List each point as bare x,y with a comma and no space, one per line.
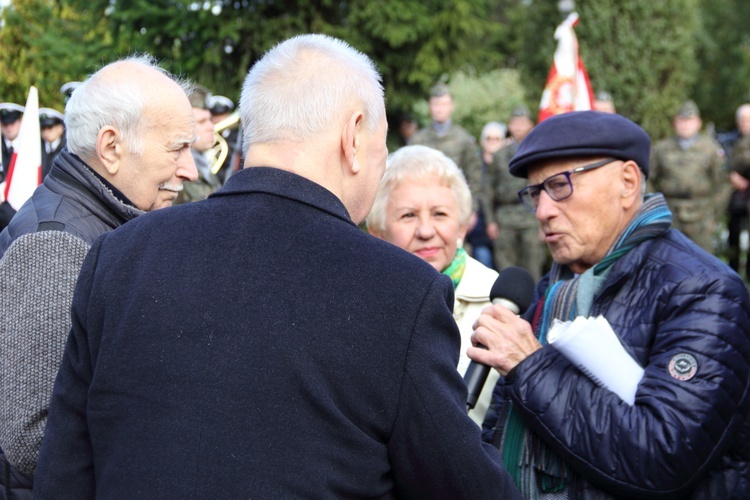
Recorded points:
516,285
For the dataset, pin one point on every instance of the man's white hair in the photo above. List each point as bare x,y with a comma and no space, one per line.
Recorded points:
117,103
302,86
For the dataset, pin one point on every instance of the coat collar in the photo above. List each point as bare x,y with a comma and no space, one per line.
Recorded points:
476,283
70,174
286,184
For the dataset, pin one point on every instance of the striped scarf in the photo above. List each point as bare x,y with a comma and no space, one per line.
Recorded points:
536,468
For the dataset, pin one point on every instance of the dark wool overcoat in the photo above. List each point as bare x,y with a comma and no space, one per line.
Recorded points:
260,345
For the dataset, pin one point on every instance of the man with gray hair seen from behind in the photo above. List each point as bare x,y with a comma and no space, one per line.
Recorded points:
315,361
130,127
677,315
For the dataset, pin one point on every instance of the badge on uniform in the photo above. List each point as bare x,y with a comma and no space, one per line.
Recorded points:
682,366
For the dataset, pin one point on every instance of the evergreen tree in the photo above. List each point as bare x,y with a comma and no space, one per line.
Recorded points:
724,60
644,53
46,44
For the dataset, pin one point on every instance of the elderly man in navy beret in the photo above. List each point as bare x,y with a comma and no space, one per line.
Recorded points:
679,313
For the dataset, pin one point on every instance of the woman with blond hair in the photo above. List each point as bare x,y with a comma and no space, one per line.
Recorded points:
423,205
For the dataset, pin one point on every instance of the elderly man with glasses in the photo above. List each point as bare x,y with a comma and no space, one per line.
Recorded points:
679,312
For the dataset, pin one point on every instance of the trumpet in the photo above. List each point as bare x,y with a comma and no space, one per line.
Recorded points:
218,153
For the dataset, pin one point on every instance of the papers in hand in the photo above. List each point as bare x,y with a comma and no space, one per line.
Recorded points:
592,345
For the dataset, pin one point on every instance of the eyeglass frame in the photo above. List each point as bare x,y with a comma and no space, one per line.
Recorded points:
541,186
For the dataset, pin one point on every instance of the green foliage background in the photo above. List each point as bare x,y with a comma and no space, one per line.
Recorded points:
650,55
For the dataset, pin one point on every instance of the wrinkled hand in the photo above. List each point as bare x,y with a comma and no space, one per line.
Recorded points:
508,339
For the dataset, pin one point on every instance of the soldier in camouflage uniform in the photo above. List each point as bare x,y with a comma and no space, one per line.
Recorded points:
514,229
207,182
740,180
455,142
689,169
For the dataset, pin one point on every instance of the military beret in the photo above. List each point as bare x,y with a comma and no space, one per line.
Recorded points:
688,109
582,134
520,110
218,104
199,97
440,90
49,117
10,112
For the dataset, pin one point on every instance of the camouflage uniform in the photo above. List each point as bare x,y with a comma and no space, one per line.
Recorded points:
694,183
518,242
204,185
461,147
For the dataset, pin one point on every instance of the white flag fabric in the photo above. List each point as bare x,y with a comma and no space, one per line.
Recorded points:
568,86
24,173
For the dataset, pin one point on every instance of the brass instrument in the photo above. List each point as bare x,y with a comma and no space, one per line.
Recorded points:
218,153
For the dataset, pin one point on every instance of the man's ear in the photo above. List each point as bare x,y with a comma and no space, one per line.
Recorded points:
351,140
109,148
632,180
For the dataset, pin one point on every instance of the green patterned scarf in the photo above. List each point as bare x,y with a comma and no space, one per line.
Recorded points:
535,467
455,271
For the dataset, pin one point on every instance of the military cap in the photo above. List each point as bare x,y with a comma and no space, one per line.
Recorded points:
199,97
688,109
49,117
440,90
582,134
68,88
218,104
519,111
10,112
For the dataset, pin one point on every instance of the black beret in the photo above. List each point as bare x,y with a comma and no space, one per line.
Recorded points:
582,134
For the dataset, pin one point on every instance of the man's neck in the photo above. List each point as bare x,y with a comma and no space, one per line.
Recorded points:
441,127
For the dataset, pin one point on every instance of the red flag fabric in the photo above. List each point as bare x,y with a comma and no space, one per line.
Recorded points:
25,171
568,86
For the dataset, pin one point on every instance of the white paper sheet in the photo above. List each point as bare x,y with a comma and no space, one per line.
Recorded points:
592,345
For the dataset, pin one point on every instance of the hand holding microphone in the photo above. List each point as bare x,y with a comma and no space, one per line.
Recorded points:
513,289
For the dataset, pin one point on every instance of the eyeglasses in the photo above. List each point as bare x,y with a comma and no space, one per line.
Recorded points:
558,186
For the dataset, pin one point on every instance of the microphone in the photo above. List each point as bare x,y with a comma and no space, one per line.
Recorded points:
514,289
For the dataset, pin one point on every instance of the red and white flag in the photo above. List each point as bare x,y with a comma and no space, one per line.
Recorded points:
568,87
24,173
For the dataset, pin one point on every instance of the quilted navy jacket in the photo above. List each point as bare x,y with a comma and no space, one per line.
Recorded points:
681,438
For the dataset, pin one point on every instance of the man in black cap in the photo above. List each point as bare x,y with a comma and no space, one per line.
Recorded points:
52,126
680,314
11,115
